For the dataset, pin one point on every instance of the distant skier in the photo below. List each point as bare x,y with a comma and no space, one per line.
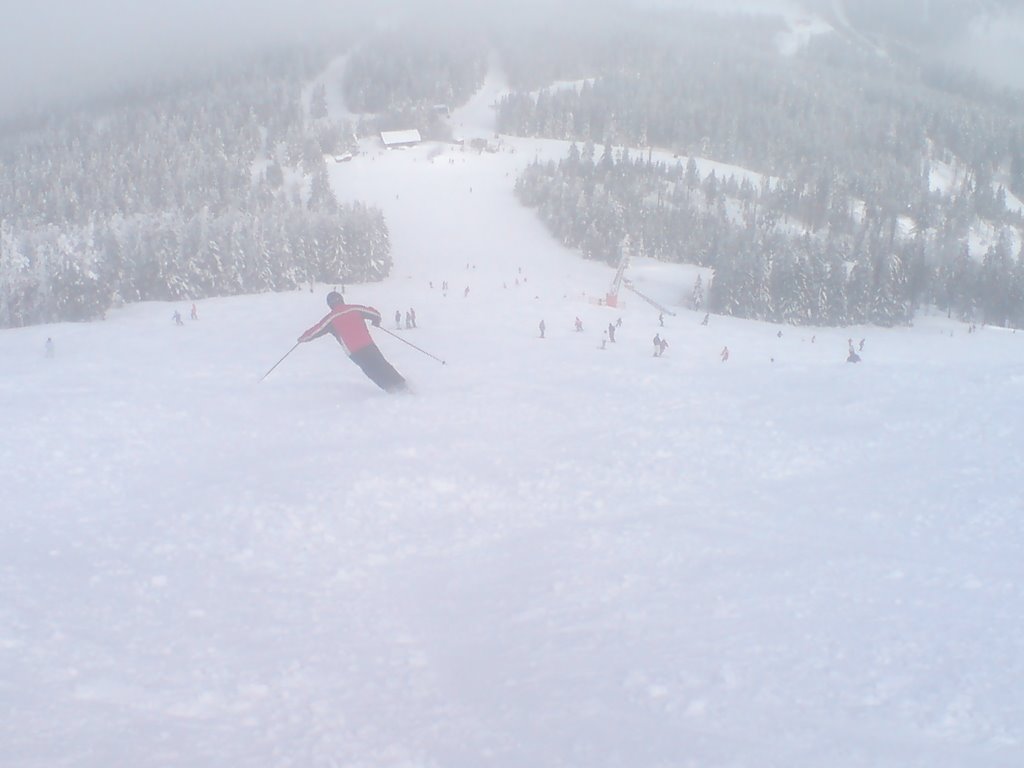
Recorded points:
724,354
177,318
657,343
661,319
662,346
347,322
611,332
398,319
195,312
412,316
579,325
49,347
707,315
860,347
543,328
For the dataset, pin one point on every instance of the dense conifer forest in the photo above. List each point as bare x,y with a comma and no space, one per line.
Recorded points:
201,189
847,224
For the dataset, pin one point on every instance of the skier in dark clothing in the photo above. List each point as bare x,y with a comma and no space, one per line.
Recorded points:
347,322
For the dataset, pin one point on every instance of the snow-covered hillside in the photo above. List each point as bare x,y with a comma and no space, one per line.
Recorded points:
552,554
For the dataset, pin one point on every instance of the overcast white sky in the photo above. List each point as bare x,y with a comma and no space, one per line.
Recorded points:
58,49
54,50
995,48
68,50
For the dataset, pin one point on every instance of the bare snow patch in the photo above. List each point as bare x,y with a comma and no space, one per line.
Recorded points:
802,29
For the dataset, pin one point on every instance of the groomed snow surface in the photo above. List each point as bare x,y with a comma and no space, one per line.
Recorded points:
550,555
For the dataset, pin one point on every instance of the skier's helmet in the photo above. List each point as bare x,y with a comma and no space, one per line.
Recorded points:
334,299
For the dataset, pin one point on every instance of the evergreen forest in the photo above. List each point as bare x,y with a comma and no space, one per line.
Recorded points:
192,190
881,184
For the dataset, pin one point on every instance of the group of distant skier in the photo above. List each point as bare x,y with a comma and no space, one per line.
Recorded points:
661,344
348,324
176,317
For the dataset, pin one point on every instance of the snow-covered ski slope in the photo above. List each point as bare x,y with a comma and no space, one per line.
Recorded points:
551,555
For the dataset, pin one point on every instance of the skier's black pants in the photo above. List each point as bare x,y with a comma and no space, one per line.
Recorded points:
378,369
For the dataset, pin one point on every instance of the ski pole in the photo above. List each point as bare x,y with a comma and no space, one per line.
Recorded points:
280,361
423,351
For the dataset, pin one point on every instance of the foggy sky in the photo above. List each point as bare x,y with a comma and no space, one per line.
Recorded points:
67,51
994,48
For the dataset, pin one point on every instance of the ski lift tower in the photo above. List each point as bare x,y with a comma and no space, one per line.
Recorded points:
620,280
612,298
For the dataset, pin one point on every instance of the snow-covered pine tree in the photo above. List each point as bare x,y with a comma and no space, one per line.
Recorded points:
697,297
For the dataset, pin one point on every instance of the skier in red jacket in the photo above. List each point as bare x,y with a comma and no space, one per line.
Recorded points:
348,324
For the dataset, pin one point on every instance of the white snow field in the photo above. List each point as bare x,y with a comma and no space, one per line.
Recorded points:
551,555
